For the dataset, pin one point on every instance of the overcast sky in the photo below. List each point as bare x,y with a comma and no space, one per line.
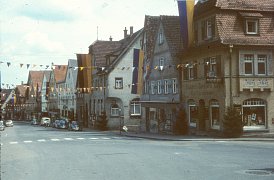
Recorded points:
39,32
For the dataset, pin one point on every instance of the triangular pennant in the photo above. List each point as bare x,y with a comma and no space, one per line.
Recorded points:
8,63
21,65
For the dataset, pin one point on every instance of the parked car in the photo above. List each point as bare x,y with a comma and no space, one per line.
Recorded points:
34,122
55,123
74,126
8,123
45,121
63,124
2,126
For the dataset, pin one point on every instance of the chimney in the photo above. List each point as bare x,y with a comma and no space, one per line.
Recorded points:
110,38
131,30
125,32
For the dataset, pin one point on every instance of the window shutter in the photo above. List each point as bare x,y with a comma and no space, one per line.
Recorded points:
213,26
195,67
185,71
241,64
219,67
203,30
269,65
206,63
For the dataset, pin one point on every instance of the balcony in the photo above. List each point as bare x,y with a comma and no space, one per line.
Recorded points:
261,83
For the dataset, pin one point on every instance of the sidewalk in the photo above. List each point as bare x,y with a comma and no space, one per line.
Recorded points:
246,137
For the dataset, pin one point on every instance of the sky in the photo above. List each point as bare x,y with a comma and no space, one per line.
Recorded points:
39,32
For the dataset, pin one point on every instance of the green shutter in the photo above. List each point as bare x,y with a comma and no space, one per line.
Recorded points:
241,64
269,65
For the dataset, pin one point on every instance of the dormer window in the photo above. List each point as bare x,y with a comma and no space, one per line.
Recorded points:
251,26
251,22
208,28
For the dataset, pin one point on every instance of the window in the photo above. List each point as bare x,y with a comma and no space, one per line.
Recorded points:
190,71
161,38
255,63
146,87
166,86
212,67
135,108
248,67
114,110
262,64
159,87
215,114
251,26
152,87
208,28
174,86
161,61
118,83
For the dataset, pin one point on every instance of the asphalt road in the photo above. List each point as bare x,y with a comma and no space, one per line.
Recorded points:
34,152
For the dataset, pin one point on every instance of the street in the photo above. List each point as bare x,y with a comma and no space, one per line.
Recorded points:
35,152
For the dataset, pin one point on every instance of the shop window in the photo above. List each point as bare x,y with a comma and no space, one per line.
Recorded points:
254,111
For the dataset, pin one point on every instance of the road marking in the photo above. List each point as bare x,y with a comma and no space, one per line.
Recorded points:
80,138
105,138
93,138
68,139
41,140
55,139
14,142
27,141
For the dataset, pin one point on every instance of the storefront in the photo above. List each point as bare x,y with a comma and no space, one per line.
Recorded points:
254,114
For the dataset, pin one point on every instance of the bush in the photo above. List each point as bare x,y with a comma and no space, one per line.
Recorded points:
232,125
101,123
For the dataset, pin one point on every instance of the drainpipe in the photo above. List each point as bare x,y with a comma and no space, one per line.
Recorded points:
230,74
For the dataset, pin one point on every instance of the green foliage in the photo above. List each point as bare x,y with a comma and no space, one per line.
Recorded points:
181,124
232,125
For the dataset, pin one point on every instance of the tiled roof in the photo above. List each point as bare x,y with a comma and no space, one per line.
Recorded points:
259,5
99,49
231,29
36,77
21,89
171,25
151,25
60,72
230,16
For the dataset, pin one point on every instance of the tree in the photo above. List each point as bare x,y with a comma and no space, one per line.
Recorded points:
232,124
102,121
181,124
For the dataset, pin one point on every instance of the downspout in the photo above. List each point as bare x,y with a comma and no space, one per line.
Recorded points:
230,74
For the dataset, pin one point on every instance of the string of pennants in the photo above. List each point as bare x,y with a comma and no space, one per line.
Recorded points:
52,66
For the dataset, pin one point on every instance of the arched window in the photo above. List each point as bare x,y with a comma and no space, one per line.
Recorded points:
193,113
135,107
114,110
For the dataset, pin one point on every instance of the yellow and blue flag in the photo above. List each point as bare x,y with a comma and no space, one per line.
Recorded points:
186,12
137,74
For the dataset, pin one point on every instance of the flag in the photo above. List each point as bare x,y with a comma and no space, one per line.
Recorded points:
186,12
84,78
137,74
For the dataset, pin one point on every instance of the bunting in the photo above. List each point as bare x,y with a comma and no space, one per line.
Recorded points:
84,79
